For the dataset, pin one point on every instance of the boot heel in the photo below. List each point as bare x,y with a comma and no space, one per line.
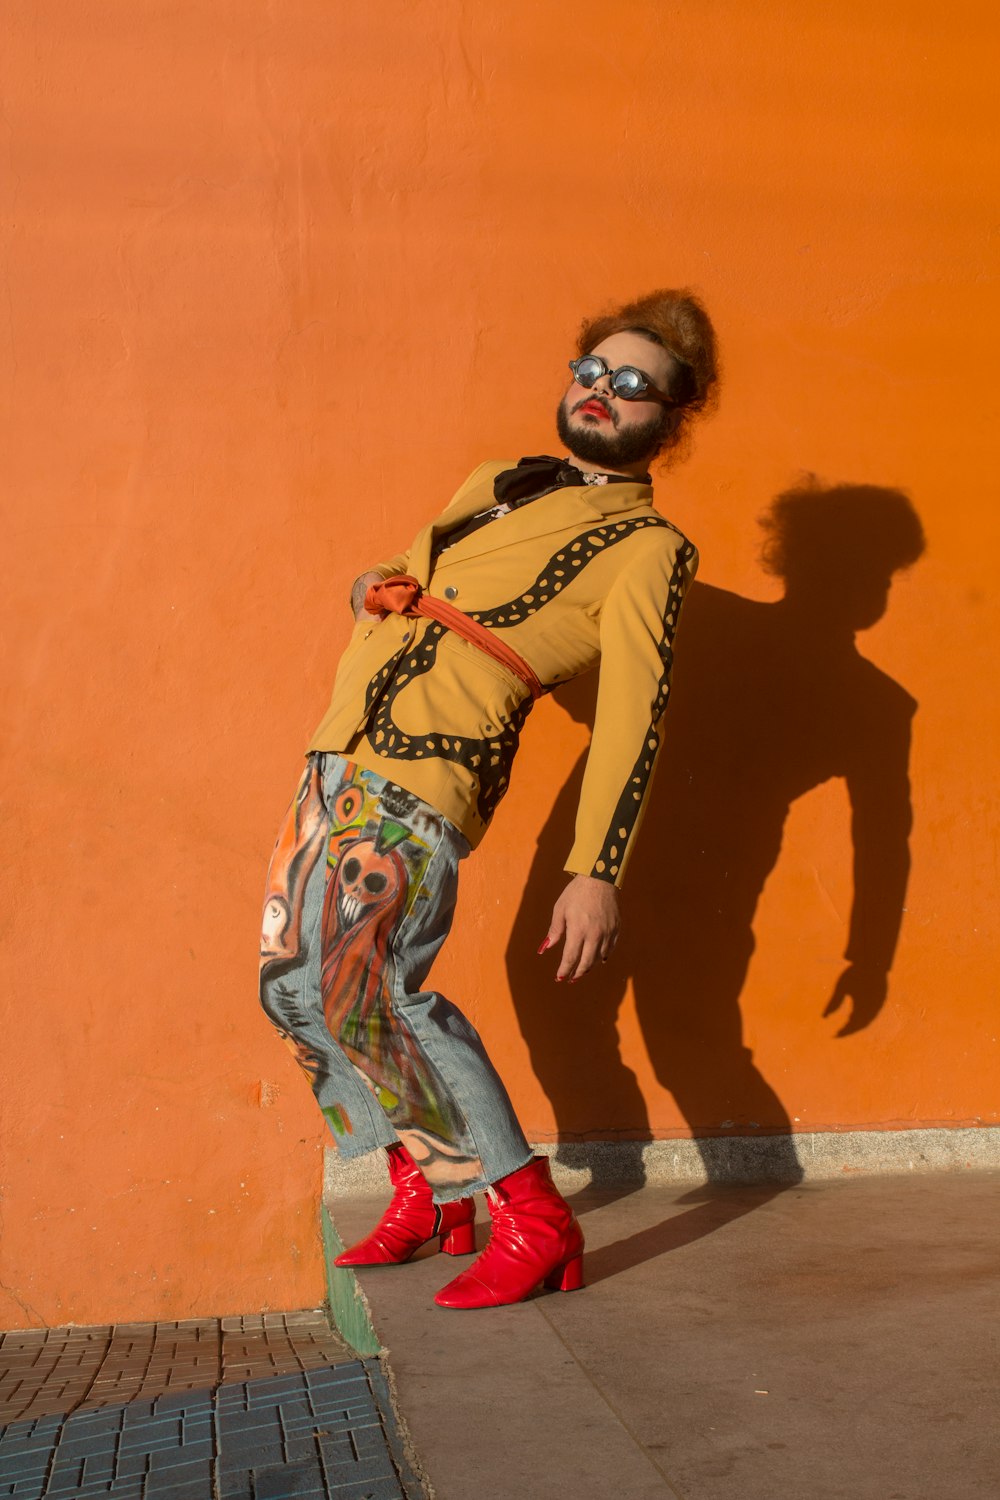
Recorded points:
459,1241
567,1278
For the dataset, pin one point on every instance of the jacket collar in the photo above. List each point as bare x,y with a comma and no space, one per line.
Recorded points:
570,504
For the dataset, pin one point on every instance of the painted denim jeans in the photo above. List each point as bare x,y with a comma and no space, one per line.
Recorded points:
361,892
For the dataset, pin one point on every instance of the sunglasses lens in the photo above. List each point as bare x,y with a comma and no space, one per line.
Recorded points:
587,370
628,383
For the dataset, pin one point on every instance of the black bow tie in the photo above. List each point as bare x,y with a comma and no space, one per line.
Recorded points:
532,476
535,476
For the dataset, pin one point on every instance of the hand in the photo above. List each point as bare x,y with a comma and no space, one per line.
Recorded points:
359,589
867,988
587,916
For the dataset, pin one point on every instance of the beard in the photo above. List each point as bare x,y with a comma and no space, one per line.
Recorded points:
611,448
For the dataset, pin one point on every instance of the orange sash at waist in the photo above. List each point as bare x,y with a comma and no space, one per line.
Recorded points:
403,595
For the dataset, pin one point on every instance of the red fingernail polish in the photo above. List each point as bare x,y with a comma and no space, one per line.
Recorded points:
545,944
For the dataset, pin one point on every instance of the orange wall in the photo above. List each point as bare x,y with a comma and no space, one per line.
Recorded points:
262,261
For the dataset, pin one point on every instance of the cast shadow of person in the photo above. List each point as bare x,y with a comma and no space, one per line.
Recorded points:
769,700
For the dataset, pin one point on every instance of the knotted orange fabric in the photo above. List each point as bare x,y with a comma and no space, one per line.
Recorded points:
403,595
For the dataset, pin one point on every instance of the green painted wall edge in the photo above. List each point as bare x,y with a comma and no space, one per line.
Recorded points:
348,1311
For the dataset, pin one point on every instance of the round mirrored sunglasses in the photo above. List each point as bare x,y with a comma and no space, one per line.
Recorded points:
627,382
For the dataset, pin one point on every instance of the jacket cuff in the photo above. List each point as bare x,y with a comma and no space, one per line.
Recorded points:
616,880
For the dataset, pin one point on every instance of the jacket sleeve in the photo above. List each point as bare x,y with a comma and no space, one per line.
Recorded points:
638,623
387,569
392,565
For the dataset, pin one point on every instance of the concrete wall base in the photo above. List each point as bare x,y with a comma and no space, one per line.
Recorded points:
733,1158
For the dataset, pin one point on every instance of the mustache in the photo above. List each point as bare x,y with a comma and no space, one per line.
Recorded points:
600,402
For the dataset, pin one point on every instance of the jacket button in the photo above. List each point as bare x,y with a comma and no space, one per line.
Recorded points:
451,592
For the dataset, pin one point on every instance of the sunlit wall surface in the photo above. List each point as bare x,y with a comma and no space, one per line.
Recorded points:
276,278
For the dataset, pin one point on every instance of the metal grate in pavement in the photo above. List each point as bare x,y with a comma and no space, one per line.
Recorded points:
314,1434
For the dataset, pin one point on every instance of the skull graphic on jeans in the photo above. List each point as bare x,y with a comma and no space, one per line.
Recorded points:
366,882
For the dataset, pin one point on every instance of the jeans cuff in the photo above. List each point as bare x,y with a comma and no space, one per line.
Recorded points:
451,1191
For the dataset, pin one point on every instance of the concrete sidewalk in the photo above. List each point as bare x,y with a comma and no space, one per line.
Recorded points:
829,1341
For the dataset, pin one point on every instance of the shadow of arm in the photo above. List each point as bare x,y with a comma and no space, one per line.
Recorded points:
878,785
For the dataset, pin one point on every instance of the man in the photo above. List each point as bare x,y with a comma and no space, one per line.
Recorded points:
533,574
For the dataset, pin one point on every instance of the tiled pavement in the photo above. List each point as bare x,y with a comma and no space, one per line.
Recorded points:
54,1371
232,1409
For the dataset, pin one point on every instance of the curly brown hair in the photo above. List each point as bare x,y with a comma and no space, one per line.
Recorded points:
676,319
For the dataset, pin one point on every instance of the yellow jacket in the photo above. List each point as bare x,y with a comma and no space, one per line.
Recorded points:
584,574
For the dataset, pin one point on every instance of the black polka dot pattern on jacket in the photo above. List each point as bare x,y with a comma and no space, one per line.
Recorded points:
489,760
562,567
609,861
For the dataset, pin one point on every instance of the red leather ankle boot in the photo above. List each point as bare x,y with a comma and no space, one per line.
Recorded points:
412,1219
534,1238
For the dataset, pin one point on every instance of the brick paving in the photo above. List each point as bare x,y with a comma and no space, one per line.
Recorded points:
252,1408
54,1371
